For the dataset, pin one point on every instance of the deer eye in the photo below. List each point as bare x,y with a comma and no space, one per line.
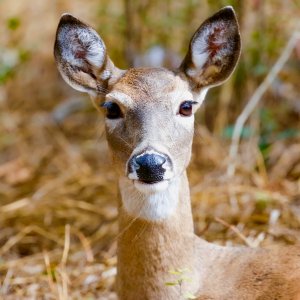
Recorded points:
186,108
113,110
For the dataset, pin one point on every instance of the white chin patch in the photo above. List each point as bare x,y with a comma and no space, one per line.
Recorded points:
152,202
146,188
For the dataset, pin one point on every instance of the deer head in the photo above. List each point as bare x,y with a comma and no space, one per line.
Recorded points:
149,112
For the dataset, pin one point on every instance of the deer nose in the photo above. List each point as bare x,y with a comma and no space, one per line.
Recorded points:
150,160
148,167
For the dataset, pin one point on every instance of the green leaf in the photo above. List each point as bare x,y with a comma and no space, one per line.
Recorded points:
171,283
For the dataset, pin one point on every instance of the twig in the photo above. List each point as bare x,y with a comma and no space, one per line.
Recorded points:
86,245
66,245
49,273
235,230
6,283
256,97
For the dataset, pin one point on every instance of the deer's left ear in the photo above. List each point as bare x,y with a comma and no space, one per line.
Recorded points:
213,51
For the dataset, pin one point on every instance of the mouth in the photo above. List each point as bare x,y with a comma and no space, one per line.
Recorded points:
151,186
149,181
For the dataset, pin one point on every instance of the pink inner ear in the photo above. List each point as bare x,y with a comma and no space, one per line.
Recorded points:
218,42
215,40
80,53
214,50
78,48
212,44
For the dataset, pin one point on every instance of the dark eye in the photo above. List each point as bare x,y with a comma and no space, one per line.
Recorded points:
113,110
186,108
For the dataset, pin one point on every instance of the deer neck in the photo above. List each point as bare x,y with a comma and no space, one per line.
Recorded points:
148,250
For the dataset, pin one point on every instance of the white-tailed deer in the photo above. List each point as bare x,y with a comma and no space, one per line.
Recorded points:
149,129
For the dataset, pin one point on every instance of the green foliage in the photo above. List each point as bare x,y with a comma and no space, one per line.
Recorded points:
13,23
10,59
180,278
12,55
247,132
288,133
262,202
52,273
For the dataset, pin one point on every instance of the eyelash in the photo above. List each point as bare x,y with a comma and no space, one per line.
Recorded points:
186,108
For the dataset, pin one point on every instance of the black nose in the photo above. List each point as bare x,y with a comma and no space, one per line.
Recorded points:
149,167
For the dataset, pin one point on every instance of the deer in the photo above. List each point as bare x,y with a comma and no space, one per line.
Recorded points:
149,124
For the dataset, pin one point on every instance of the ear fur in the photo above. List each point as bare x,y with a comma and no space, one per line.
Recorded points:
81,57
213,51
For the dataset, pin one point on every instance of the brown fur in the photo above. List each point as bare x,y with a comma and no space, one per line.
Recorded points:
149,249
147,252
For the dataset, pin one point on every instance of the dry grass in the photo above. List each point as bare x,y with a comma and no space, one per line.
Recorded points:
58,213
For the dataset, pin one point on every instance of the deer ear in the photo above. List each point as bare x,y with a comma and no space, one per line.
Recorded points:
81,57
213,51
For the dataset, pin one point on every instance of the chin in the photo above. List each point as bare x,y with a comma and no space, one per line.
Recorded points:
149,201
151,188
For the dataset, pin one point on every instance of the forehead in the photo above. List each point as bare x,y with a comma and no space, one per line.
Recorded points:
150,83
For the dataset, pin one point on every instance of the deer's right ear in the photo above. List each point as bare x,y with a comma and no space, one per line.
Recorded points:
81,57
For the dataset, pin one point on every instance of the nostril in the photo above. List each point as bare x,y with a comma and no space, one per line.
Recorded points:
150,160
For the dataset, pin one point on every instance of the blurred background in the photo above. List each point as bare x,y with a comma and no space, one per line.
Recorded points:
58,214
